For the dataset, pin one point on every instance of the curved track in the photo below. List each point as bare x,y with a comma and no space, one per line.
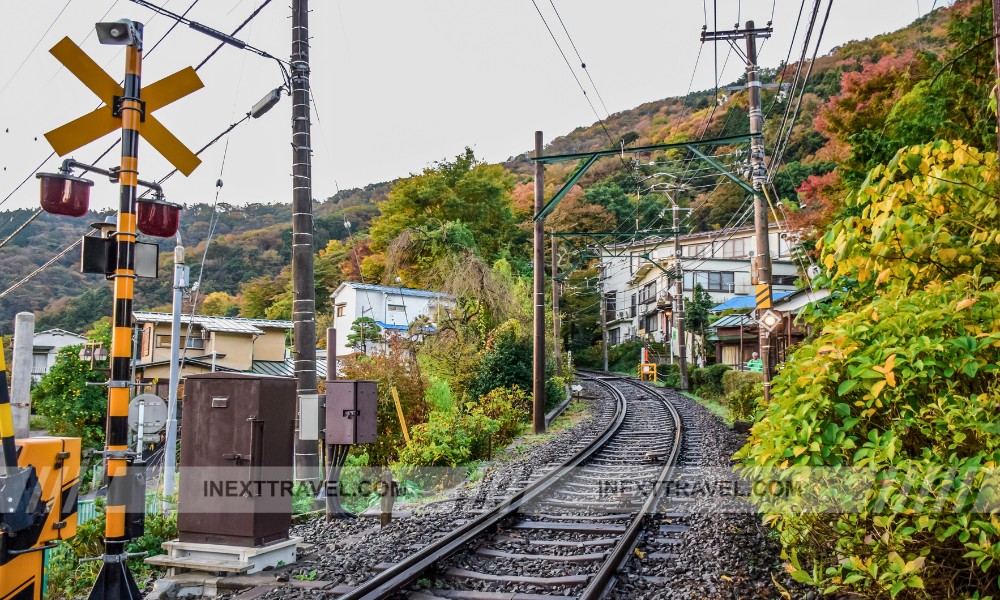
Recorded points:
568,532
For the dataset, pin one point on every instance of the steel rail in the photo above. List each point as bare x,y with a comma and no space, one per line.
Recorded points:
606,577
404,572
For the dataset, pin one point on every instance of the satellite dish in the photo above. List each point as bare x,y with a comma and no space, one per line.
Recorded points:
813,270
154,414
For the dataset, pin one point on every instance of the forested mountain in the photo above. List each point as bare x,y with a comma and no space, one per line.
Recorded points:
862,102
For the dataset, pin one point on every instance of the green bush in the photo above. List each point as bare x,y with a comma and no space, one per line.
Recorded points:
555,392
70,407
442,441
744,393
624,358
452,437
506,361
707,382
885,424
669,374
70,578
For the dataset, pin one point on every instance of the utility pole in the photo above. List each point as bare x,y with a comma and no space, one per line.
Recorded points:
762,259
303,279
538,412
555,307
679,299
996,58
170,446
604,320
20,375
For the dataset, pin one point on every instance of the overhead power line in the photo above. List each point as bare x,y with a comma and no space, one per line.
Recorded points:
583,65
573,72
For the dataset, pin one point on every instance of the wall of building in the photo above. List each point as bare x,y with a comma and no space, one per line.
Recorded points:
722,267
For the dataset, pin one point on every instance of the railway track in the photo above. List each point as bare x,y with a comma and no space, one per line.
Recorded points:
569,530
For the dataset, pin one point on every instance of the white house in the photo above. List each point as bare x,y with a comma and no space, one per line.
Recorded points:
392,308
639,284
45,345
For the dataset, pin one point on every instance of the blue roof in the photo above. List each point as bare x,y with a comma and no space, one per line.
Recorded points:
392,327
397,290
747,302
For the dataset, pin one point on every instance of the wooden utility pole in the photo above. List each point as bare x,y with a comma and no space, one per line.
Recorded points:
758,170
556,338
303,286
996,61
679,299
538,413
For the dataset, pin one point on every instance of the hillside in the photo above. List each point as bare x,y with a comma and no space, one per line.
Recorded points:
829,149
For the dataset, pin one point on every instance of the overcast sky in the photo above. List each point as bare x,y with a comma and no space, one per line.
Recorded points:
398,84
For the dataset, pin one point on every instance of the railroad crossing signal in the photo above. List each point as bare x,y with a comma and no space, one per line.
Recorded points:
107,118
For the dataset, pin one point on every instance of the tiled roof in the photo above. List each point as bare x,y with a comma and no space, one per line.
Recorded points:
733,321
284,368
223,324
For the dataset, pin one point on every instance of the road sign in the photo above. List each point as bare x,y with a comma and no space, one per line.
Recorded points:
770,320
103,121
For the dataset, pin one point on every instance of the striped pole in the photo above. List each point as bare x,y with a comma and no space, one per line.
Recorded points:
6,420
115,582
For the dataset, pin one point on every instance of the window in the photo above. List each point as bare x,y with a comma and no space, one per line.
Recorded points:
633,309
784,279
39,363
736,248
397,307
721,281
648,293
700,250
195,343
614,336
341,309
610,301
651,322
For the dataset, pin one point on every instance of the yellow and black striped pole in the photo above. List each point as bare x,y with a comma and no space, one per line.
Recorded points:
115,582
6,420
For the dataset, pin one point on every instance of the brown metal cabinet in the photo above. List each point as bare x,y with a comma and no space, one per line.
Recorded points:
236,459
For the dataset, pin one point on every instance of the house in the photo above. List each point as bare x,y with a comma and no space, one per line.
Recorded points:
639,281
736,335
214,344
393,309
45,345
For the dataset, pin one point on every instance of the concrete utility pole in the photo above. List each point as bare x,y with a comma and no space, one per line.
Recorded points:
20,382
556,338
604,321
679,299
538,412
303,286
762,259
170,446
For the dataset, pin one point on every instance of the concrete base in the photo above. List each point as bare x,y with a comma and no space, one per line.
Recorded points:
217,559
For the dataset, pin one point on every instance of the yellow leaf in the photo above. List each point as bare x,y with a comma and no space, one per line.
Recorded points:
798,450
883,276
640,553
964,304
877,388
727,578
